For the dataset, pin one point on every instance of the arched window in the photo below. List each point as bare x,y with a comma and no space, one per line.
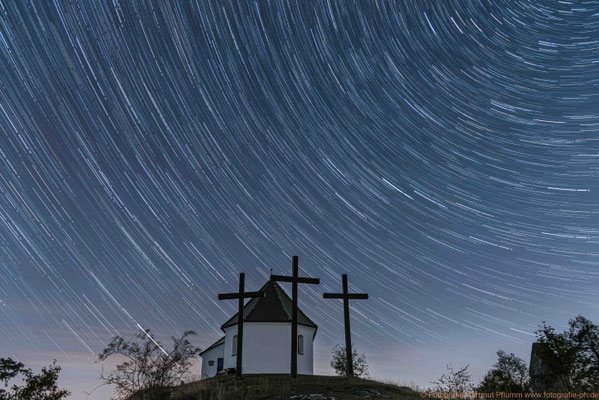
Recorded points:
234,351
300,344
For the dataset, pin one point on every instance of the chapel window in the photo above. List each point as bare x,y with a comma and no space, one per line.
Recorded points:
300,344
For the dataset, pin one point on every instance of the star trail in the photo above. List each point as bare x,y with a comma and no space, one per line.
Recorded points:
444,154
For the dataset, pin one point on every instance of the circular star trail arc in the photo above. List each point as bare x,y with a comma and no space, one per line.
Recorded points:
443,154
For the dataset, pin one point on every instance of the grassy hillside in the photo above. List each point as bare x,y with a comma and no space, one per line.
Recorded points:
282,387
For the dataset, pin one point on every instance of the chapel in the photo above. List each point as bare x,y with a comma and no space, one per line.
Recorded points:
266,338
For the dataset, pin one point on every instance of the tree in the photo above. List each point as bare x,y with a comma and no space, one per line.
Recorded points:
148,371
35,387
572,357
339,362
509,374
454,381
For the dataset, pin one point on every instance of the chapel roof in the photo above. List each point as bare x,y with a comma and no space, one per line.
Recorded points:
213,345
275,306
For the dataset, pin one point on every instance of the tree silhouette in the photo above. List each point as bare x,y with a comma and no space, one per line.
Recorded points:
509,374
148,371
40,386
571,357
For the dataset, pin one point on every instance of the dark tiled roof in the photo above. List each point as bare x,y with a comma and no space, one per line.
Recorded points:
275,306
213,345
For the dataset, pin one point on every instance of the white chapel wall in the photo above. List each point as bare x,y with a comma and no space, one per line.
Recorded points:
230,332
305,362
266,348
213,354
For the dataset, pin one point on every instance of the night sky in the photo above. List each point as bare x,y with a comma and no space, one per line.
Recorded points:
444,154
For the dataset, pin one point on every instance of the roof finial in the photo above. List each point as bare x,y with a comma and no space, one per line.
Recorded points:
271,272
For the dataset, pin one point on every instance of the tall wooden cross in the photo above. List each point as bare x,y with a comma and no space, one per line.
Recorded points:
241,295
346,297
294,279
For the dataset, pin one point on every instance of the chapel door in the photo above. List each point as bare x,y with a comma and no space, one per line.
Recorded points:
219,364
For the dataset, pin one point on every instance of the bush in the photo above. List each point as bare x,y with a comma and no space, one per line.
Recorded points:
454,381
339,362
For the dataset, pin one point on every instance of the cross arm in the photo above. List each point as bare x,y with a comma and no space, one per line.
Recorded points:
254,294
282,278
227,296
313,281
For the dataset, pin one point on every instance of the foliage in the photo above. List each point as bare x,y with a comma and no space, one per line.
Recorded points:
572,357
35,387
454,381
509,374
339,363
148,371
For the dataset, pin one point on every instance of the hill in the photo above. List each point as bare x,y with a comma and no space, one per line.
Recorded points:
282,387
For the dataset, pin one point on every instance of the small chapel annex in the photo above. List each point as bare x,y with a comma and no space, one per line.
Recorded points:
266,338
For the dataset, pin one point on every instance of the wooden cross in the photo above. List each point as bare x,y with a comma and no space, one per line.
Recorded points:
294,279
241,295
346,297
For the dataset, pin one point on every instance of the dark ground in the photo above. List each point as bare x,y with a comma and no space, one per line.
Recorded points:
282,387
